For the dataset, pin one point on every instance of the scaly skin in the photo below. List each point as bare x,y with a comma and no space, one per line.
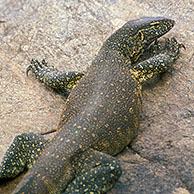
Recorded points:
101,114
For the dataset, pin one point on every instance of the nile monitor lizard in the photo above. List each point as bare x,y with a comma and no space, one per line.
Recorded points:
100,117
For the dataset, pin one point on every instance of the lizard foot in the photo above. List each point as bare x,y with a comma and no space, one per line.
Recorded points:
52,77
164,54
22,153
36,67
96,173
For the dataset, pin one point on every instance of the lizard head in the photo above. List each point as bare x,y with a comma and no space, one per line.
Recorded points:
134,37
150,28
142,32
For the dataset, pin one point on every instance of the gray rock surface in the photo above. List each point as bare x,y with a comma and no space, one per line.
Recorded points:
68,34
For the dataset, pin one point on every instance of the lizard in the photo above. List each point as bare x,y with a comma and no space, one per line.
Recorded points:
100,116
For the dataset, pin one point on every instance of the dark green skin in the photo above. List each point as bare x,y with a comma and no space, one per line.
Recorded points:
101,114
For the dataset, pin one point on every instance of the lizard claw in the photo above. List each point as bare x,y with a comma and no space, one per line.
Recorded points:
29,68
181,45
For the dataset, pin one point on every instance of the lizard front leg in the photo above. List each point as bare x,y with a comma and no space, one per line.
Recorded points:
53,78
163,58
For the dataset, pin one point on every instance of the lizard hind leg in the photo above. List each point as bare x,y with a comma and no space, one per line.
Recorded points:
160,62
96,172
22,153
53,78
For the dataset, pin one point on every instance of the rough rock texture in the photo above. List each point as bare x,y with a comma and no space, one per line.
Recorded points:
69,34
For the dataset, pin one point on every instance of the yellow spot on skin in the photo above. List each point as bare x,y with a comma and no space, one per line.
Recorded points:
112,168
131,110
107,125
